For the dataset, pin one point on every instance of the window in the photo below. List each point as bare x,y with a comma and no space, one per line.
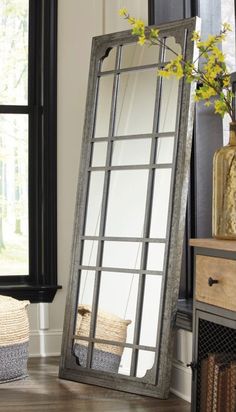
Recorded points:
28,255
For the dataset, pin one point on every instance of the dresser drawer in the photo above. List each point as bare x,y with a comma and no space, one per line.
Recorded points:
223,293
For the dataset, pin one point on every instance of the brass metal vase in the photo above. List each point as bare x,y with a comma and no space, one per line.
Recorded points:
224,189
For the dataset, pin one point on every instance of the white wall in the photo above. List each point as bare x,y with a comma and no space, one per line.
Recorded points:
78,23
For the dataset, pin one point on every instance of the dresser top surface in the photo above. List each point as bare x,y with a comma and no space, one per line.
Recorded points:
229,245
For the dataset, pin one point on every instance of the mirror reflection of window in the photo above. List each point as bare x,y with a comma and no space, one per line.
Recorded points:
150,310
172,49
169,92
133,55
131,152
94,203
145,362
165,150
90,249
86,287
126,203
99,154
136,102
122,254
155,260
108,63
103,106
125,363
161,195
168,107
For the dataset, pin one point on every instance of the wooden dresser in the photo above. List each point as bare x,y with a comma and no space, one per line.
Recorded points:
214,326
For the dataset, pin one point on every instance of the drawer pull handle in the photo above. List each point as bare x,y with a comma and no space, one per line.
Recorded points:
212,281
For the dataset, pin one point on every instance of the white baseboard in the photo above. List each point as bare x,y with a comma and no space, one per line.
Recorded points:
181,381
45,343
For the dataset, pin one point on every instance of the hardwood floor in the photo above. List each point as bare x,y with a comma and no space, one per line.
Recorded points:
43,391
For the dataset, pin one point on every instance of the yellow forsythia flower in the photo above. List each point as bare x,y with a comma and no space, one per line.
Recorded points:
131,20
220,107
195,36
123,12
141,40
163,73
226,81
227,27
154,33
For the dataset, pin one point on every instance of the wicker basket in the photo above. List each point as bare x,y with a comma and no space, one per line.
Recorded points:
108,327
14,338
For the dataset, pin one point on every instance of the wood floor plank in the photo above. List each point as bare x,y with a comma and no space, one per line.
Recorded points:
43,391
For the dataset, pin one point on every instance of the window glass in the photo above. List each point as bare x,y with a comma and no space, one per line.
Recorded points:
14,239
14,34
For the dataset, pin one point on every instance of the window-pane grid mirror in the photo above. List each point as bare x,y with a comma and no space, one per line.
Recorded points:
130,215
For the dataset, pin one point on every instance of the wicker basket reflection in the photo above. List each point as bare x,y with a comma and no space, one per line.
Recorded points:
110,327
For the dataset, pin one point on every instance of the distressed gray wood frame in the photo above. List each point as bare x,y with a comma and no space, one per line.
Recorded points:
156,382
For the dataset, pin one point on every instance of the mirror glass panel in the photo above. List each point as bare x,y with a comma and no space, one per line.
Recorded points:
90,248
150,312
155,259
165,150
108,63
126,203
103,108
136,102
83,316
131,152
82,326
107,358
117,300
125,362
99,154
93,214
161,195
168,107
86,287
172,49
145,362
133,55
122,254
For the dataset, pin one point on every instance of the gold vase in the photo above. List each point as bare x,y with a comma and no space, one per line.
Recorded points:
224,189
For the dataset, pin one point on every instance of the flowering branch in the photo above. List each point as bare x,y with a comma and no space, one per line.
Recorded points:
212,76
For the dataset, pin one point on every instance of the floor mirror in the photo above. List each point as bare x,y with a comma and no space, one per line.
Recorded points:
130,215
